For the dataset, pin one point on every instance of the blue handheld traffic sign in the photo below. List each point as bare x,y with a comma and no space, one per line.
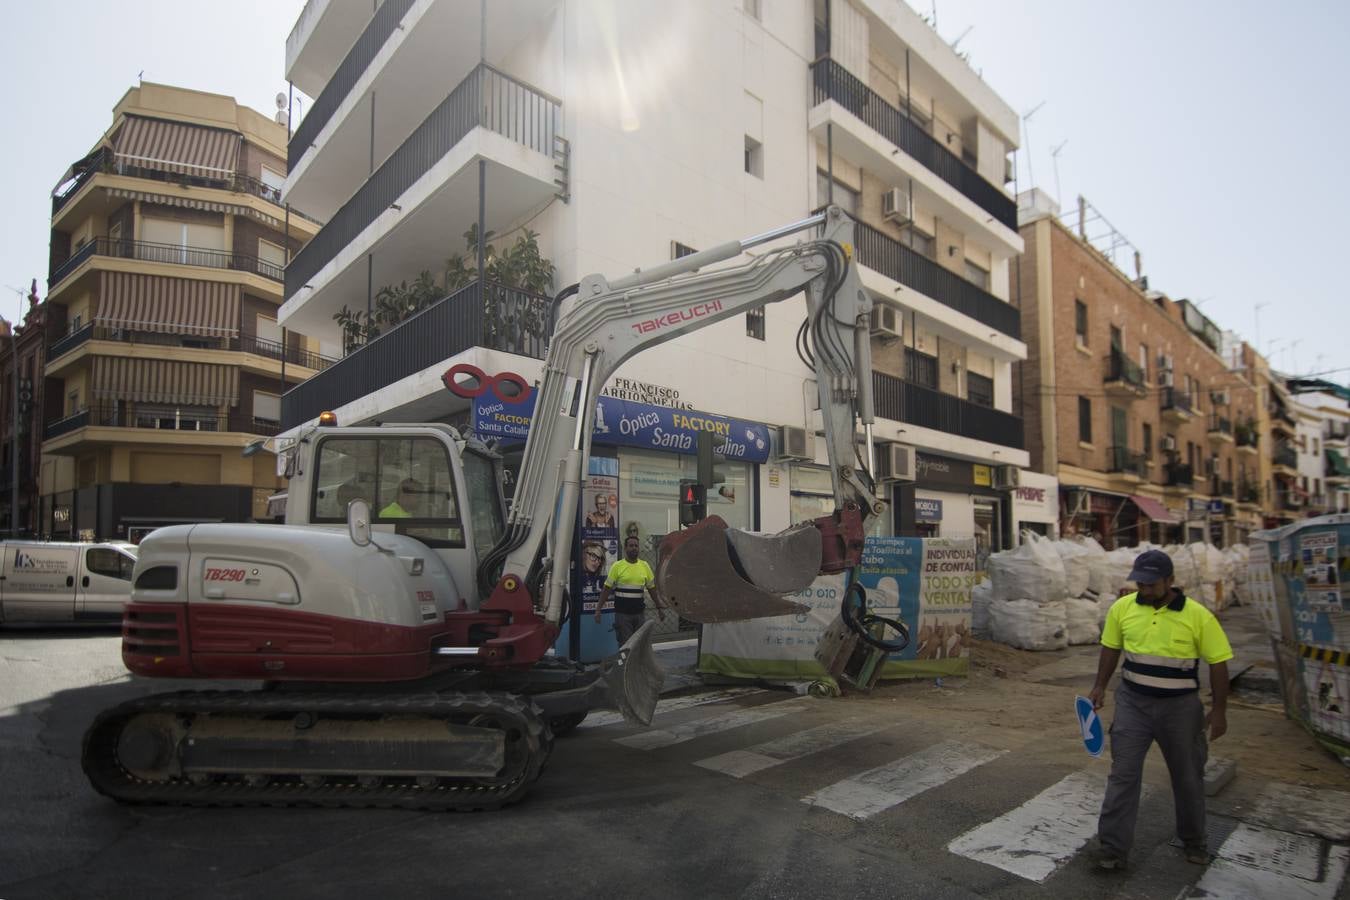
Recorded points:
1090,725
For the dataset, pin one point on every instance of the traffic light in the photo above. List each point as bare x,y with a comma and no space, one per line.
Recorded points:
693,502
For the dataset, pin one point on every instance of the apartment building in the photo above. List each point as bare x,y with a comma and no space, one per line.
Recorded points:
1322,411
168,243
616,135
1129,401
24,340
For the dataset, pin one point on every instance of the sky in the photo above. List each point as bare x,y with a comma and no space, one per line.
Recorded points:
1210,133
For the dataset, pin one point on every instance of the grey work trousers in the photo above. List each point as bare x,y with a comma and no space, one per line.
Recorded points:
1178,725
625,624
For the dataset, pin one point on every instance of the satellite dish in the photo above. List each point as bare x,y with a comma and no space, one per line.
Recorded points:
281,100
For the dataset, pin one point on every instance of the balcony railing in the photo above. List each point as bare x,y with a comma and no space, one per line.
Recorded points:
1179,475
126,415
106,161
487,98
509,319
899,263
1219,425
1177,401
1248,492
348,72
1245,435
244,344
1124,461
833,82
164,253
1120,368
1285,456
1220,488
905,401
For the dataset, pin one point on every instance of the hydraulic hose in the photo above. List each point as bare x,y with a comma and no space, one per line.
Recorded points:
861,624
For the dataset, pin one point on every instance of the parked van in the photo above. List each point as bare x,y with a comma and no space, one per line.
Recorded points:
56,582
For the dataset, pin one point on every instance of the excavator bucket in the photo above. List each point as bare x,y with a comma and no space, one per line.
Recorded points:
633,678
712,573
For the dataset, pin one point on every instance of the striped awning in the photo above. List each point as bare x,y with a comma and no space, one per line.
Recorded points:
142,380
177,147
197,203
168,305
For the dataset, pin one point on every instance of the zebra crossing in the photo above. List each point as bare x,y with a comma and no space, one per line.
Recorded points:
1033,840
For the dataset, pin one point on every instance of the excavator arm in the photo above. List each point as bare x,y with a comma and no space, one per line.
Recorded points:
708,572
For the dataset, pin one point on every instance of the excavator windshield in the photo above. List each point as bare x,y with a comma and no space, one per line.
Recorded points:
487,524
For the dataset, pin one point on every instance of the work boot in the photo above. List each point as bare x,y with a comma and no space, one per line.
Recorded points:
1198,854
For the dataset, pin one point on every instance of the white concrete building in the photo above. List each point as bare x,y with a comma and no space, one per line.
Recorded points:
623,132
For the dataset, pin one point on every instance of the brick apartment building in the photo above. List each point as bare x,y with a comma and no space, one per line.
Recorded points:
1128,402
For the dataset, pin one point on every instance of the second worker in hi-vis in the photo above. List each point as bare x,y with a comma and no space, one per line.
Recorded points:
1163,634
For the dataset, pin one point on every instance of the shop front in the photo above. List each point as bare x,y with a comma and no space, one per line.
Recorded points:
955,498
1109,518
1035,505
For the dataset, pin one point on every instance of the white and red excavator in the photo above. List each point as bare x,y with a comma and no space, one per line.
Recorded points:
402,620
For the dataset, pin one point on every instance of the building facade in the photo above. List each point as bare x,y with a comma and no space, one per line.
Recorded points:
597,135
1129,401
168,244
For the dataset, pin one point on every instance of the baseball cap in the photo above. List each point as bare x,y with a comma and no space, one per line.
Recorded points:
1151,566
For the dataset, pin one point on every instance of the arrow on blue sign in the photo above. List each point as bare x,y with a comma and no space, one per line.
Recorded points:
1090,724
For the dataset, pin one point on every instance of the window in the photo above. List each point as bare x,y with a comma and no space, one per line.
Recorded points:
271,258
407,482
266,408
273,182
921,368
754,157
1080,323
178,418
73,402
110,563
979,389
1143,361
844,196
920,243
1148,441
754,324
1085,420
268,330
977,276
1317,445
488,521
822,34
1117,338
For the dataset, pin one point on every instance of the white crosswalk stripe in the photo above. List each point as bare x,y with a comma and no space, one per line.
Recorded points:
879,789
1257,863
740,763
687,731
686,701
1037,837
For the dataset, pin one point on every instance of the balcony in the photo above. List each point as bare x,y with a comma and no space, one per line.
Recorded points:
1285,460
510,320
1337,435
1291,500
1247,438
125,415
404,215
1220,488
1220,430
174,254
905,401
899,263
1248,495
1283,422
1176,405
1337,468
1178,477
1124,377
242,344
1129,464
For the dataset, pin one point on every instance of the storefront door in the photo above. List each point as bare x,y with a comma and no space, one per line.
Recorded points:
988,529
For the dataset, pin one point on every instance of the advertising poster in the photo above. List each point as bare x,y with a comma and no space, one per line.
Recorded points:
924,582
596,549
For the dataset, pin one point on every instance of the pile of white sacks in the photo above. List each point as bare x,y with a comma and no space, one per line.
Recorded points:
1047,594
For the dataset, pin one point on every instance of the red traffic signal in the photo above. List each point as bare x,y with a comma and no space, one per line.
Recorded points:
693,502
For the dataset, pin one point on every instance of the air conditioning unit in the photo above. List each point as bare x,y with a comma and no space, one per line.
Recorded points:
897,206
895,462
1218,398
1007,477
796,443
1168,443
1079,503
886,323
1165,378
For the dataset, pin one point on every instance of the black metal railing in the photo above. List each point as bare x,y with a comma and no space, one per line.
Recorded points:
1245,435
1120,368
159,418
1248,492
486,98
348,72
899,263
64,345
107,161
1285,456
1178,475
274,350
1337,434
833,82
244,344
905,401
1220,488
508,319
1220,425
147,251
1289,499
1123,460
1174,400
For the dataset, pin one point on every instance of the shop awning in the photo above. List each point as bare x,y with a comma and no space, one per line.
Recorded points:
1154,509
177,147
168,305
142,380
181,202
1338,464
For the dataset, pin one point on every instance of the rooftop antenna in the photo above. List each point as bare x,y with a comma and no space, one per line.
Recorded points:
1054,160
961,36
1026,141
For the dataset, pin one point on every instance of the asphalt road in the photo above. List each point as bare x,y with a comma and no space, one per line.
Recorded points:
747,793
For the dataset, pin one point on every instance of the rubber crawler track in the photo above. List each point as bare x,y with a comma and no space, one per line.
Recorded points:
526,758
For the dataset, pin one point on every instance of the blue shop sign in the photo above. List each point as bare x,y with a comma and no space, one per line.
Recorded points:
627,423
1216,507
927,510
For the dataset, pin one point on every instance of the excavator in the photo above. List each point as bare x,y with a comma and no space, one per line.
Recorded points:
402,620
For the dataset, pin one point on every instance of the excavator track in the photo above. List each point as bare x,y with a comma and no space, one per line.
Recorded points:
451,751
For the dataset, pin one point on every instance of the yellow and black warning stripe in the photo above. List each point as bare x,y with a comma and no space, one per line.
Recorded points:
1324,655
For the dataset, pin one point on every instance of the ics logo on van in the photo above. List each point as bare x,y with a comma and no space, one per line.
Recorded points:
30,563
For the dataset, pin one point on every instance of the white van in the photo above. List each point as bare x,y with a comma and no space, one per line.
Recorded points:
53,582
